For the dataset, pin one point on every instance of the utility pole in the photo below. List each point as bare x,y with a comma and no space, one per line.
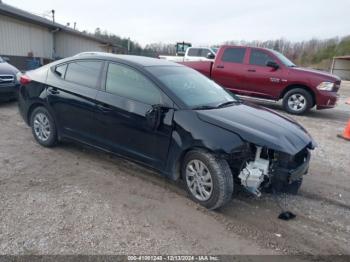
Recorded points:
75,25
53,15
128,45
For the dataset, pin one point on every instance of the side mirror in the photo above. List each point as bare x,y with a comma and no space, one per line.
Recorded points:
210,56
272,64
154,116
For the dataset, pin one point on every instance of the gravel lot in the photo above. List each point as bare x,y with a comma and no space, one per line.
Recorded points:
76,200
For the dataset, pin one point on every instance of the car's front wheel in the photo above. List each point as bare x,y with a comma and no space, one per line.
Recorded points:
297,101
208,179
43,127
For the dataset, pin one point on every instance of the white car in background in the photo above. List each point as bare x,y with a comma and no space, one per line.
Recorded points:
194,54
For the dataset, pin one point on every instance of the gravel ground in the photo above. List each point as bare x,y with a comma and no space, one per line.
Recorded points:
76,200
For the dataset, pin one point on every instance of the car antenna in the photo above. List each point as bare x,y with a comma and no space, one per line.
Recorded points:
285,214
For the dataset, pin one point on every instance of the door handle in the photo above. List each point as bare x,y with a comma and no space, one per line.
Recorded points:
251,70
220,66
53,91
104,107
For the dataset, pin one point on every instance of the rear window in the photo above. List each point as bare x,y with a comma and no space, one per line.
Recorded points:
234,55
85,73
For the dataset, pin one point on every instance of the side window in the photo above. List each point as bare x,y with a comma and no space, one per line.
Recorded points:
84,73
127,82
194,52
60,70
260,58
205,52
234,55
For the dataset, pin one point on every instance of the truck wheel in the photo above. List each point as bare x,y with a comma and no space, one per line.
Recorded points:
43,127
207,179
297,101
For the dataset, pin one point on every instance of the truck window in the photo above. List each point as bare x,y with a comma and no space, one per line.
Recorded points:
260,58
234,55
204,52
194,52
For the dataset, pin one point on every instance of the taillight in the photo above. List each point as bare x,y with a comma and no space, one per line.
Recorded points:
24,80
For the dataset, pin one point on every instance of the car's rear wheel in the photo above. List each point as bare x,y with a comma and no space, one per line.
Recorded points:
43,127
207,178
297,101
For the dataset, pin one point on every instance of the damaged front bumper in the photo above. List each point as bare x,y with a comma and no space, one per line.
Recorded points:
284,175
268,169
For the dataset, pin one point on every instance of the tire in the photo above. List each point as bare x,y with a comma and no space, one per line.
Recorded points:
297,101
221,179
43,127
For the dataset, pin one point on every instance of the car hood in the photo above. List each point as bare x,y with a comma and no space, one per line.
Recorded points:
316,72
6,68
260,126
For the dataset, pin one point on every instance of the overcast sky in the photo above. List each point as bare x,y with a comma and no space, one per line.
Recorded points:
201,22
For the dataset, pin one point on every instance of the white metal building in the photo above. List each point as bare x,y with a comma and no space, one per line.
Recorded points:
341,67
23,35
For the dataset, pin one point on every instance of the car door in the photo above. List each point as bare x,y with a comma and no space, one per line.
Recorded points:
263,81
71,93
122,116
230,70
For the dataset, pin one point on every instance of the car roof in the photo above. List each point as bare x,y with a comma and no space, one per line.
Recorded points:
141,61
245,46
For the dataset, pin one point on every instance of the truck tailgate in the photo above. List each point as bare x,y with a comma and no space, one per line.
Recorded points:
203,67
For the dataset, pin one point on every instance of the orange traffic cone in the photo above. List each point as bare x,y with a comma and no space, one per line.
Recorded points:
346,133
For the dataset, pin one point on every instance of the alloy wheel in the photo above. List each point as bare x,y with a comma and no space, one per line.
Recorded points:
42,127
199,180
297,102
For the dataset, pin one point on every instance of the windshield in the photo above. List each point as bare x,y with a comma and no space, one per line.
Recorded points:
1,60
215,49
192,88
283,59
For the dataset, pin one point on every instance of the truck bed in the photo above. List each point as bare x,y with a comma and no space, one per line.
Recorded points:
172,58
203,67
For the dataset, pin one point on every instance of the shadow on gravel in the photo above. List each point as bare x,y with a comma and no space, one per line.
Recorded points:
4,104
246,215
327,114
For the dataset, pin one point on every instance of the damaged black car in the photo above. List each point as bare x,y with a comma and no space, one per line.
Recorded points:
169,118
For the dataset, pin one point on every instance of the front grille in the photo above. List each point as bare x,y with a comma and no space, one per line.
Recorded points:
7,79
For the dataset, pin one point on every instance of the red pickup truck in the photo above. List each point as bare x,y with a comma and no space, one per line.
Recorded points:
265,73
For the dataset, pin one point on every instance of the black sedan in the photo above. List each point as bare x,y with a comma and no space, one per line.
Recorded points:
8,82
169,118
